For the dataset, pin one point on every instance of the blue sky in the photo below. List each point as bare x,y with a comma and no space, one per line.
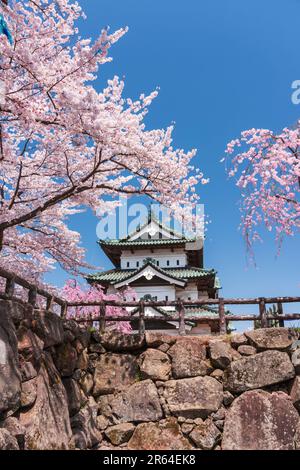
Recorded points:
222,66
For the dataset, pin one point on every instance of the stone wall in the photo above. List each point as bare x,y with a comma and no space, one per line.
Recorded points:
65,387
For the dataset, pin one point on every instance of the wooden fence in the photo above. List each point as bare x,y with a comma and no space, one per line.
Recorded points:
223,318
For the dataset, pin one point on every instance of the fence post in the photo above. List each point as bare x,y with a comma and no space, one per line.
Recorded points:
280,312
222,319
263,313
181,312
49,303
32,295
10,287
142,318
102,321
90,320
64,310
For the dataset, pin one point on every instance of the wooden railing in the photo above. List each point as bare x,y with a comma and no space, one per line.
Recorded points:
222,318
12,281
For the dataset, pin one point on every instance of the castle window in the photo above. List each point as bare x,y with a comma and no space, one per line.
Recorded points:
177,262
167,297
157,262
168,262
160,235
128,264
137,264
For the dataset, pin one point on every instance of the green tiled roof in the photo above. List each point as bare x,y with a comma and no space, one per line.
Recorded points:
115,275
145,242
188,273
118,275
204,311
191,312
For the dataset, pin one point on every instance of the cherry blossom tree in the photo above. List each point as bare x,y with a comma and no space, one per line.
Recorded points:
73,292
64,146
266,166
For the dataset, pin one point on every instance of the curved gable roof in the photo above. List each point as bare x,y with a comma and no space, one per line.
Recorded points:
150,270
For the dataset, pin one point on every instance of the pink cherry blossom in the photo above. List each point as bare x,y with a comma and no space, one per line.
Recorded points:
267,171
73,292
66,147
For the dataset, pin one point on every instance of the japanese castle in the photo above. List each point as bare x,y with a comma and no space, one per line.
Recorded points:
160,264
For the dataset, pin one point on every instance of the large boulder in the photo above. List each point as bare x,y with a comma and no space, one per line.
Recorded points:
194,397
7,441
114,372
155,339
120,433
28,372
137,403
30,346
49,327
103,422
13,310
246,350
96,348
28,392
238,339
73,395
66,359
295,345
119,342
13,426
84,336
77,344
47,422
155,365
206,435
271,338
103,402
296,360
83,360
84,426
10,376
295,393
189,358
164,435
266,368
73,327
221,353
86,382
258,420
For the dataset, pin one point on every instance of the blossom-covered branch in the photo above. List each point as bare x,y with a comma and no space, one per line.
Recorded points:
267,168
64,146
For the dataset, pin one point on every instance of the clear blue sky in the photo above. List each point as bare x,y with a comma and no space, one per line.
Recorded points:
222,66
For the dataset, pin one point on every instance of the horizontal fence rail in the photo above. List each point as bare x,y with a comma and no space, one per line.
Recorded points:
11,281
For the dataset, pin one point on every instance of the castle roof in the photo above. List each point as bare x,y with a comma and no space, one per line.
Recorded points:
145,242
189,312
154,234
177,275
